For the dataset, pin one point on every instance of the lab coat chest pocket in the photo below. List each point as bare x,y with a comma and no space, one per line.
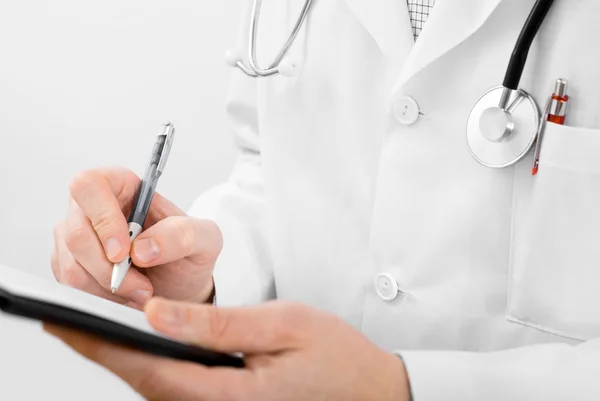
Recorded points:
554,280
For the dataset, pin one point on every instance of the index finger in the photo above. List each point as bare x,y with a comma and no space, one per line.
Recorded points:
102,195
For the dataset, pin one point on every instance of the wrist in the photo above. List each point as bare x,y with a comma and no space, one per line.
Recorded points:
204,295
398,379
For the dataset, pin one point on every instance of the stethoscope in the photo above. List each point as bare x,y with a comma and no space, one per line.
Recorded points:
504,123
281,65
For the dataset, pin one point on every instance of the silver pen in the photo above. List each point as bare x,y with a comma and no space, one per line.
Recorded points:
138,214
555,111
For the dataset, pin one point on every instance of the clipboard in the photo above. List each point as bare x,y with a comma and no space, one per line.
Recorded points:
31,297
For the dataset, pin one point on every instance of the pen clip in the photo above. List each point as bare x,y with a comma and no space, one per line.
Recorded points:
539,137
542,126
169,131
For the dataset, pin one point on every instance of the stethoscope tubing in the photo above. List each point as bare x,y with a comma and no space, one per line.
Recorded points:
516,65
509,88
274,66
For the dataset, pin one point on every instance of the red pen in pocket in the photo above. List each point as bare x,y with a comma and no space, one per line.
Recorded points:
556,112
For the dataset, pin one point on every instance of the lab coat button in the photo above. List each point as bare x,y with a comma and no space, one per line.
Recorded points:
386,287
406,110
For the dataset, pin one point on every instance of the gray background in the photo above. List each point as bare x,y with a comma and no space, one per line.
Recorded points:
86,84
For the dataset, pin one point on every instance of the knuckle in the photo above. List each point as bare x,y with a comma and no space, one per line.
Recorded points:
148,382
74,235
125,186
286,334
216,324
103,223
73,275
58,230
216,239
187,234
82,182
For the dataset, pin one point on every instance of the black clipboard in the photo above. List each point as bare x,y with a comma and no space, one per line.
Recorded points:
31,297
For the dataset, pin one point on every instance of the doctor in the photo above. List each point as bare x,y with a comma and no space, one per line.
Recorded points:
399,263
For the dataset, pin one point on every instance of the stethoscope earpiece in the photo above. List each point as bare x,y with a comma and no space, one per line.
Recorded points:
287,68
281,65
502,126
232,57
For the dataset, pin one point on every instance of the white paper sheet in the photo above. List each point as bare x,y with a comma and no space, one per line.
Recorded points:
20,283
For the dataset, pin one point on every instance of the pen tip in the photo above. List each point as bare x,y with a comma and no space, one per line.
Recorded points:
113,289
534,171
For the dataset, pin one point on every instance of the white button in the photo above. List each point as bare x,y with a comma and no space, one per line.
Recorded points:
406,110
386,287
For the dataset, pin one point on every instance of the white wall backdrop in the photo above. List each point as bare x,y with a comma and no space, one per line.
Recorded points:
85,84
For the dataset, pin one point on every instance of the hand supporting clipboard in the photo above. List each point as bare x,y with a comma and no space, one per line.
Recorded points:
31,297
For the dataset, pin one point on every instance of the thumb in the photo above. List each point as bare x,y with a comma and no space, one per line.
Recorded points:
268,328
175,238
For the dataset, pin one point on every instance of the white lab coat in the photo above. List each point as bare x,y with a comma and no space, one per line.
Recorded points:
498,271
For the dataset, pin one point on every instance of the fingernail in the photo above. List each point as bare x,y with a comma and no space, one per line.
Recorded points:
145,250
113,248
140,297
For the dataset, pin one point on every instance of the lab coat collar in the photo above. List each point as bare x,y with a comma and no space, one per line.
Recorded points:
387,22
450,23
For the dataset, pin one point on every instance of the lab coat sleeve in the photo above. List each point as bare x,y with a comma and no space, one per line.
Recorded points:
243,273
540,372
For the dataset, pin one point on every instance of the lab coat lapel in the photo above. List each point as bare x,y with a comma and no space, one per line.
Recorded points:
387,21
450,23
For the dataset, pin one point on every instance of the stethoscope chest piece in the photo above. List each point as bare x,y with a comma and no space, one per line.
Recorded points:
498,136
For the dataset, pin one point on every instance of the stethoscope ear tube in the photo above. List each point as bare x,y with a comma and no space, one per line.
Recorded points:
280,65
521,51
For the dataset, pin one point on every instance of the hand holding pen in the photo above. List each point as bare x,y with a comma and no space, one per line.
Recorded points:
174,255
137,217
